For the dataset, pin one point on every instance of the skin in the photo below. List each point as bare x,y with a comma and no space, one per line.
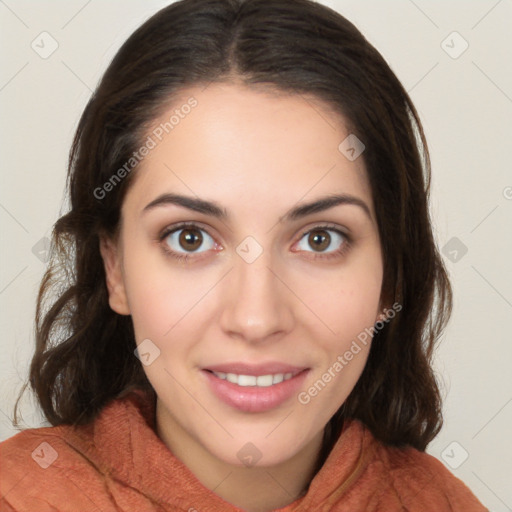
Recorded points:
257,154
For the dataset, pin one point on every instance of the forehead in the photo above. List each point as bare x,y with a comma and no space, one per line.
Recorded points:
249,148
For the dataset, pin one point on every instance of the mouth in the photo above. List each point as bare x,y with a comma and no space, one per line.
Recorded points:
261,381
255,388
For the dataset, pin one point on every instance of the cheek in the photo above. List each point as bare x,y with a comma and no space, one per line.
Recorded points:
161,303
344,302
346,306
342,338
160,293
149,304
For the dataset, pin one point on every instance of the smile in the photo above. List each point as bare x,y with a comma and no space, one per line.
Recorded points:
255,393
262,381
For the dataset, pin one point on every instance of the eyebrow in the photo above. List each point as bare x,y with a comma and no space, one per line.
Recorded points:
215,210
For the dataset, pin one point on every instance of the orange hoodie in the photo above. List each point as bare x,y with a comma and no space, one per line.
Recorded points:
118,463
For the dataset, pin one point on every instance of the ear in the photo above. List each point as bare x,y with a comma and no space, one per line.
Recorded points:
383,306
114,276
381,317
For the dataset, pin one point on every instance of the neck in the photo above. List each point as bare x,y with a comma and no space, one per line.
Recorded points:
254,489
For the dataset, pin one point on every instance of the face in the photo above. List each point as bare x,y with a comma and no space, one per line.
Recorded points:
255,284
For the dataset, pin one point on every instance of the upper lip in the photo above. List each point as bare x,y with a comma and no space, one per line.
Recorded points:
270,368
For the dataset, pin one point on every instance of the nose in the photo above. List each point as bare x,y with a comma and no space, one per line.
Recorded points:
257,305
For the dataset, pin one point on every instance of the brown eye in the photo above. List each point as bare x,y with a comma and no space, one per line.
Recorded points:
319,240
188,239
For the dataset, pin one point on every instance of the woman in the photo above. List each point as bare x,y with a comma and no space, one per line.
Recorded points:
245,295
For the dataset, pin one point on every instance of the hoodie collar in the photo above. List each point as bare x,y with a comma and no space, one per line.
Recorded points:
127,447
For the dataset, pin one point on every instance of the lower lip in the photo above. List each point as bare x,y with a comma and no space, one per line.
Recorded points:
254,398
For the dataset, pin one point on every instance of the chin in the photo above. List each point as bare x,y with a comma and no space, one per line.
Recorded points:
260,450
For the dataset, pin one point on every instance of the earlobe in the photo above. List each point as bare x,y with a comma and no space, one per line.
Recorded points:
381,316
114,276
385,305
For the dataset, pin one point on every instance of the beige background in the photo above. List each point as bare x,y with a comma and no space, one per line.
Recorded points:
465,102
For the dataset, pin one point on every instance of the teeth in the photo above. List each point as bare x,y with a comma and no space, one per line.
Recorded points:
245,380
278,378
231,377
262,381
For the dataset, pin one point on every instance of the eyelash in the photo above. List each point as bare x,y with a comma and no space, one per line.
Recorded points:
346,245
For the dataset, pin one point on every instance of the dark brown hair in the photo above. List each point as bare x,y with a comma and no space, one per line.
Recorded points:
85,351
